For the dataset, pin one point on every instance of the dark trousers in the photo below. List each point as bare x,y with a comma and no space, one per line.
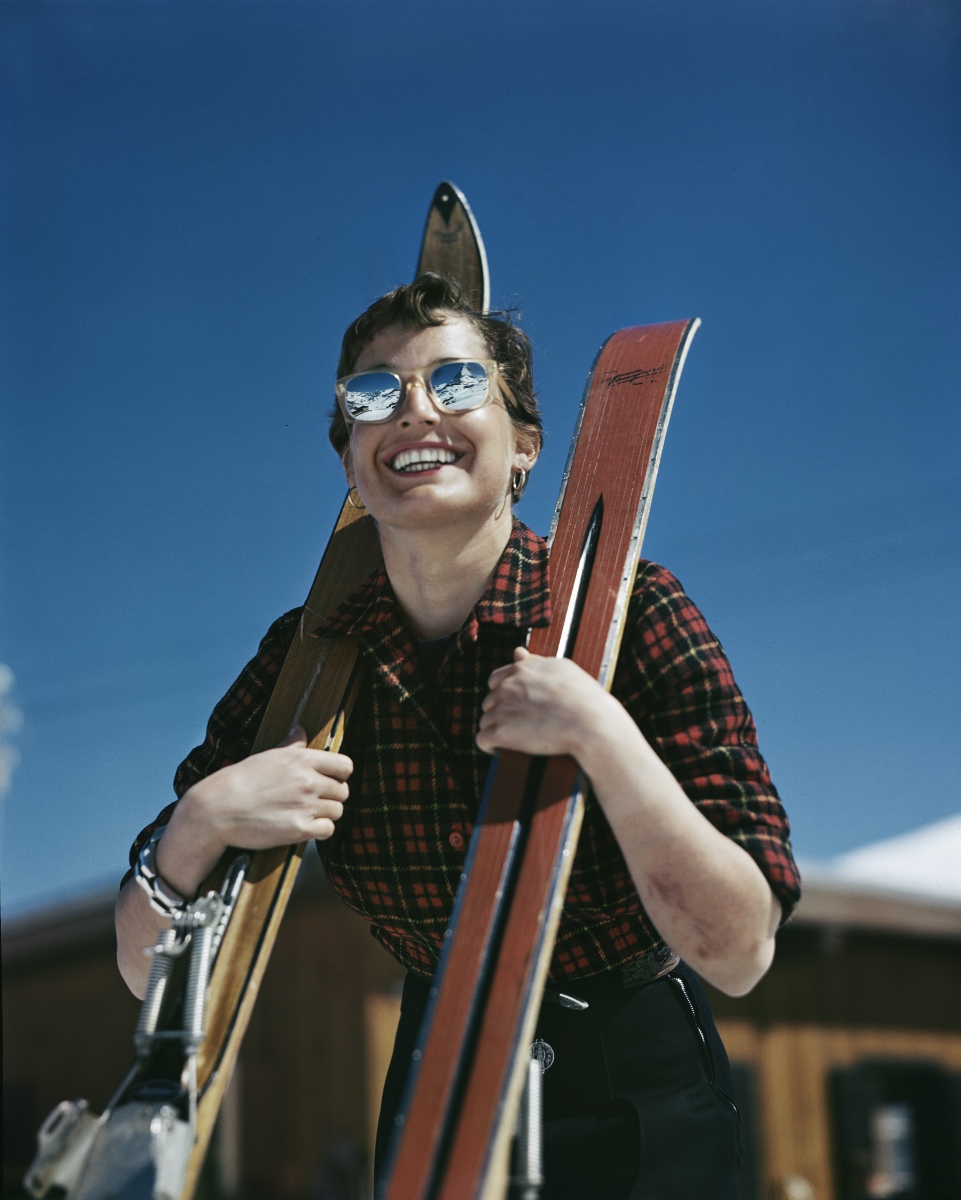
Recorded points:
639,1103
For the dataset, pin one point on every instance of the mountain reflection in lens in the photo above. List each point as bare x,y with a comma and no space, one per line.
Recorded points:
456,387
459,385
372,397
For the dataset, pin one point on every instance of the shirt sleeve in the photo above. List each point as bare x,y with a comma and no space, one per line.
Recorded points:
234,722
675,680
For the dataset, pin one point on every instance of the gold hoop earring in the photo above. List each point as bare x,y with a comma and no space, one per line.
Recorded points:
350,499
517,485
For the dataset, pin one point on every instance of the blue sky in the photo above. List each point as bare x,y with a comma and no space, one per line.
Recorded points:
201,195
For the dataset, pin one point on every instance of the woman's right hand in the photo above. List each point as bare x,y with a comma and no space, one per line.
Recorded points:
280,796
285,795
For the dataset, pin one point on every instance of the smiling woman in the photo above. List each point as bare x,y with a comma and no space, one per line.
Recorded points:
684,852
439,481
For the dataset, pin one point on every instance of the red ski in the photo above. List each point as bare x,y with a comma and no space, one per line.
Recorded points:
469,1065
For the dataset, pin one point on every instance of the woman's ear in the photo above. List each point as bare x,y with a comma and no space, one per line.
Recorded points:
526,451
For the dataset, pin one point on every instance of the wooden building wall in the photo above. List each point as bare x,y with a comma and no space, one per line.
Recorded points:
791,1066
311,1062
302,1110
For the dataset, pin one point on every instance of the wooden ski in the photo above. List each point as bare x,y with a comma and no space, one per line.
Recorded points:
311,691
470,1061
316,688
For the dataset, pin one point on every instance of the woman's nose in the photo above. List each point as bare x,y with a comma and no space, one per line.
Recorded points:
417,405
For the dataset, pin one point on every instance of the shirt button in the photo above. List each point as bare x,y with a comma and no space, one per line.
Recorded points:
456,839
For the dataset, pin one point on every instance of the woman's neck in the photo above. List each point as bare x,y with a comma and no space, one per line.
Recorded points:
438,576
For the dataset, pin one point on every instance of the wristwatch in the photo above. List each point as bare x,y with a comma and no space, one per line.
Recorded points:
163,899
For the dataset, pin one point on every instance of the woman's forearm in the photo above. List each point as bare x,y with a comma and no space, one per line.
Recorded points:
186,854
705,895
137,927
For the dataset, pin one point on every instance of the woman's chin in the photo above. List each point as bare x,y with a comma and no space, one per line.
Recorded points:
433,505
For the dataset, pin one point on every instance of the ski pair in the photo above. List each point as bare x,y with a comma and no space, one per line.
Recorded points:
596,539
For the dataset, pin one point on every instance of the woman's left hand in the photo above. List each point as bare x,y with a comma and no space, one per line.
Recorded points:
540,706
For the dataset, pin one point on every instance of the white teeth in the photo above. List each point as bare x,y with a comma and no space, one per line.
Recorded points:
422,459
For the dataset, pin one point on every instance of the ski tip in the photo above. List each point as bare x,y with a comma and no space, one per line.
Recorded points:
452,244
446,199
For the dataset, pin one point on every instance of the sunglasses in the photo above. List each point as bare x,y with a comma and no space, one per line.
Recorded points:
454,387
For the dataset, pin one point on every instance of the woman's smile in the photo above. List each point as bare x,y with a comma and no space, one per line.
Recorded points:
416,460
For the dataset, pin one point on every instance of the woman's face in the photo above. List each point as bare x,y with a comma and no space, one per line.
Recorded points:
469,480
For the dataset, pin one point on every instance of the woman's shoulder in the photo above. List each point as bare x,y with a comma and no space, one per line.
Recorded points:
279,636
234,722
655,580
658,596
666,635
250,691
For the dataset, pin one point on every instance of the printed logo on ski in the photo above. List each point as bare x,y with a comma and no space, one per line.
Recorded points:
636,378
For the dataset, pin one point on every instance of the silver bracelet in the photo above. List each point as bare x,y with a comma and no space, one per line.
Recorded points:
163,899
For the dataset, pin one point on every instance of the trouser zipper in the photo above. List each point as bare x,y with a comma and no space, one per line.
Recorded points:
681,987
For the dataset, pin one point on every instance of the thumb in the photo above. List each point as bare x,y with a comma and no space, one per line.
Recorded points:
520,653
296,737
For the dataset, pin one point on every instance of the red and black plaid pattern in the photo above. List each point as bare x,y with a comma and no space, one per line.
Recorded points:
674,679
398,852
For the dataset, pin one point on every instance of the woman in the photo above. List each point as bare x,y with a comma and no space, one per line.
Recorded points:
639,1100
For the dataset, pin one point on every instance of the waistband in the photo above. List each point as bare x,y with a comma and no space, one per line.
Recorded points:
578,994
575,994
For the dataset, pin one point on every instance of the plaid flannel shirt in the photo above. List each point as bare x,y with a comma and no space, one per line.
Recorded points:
397,853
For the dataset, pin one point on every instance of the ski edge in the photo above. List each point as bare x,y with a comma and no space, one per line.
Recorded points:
494,1180
613,645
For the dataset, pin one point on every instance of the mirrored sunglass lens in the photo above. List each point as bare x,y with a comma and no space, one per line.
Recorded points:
459,385
372,397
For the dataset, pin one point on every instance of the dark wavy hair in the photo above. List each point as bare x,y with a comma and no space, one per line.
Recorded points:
429,300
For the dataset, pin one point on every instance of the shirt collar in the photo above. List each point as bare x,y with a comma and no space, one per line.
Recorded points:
518,595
